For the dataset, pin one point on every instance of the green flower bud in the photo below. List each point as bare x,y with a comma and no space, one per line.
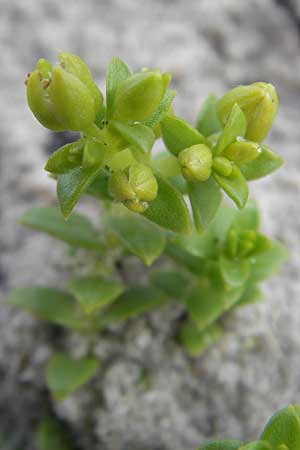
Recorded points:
242,152
74,65
258,101
138,96
40,103
196,162
72,100
222,166
64,97
135,187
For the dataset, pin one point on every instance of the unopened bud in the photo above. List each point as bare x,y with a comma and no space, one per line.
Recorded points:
242,152
139,95
258,101
222,166
196,162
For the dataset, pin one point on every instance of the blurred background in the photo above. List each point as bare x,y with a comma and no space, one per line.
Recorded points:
230,391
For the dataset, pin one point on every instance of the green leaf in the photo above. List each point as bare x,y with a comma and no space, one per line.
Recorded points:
196,341
235,186
93,154
138,235
247,218
99,186
208,122
51,435
121,160
266,163
169,209
221,445
166,164
48,304
284,428
178,134
210,300
257,445
133,302
138,134
117,72
251,294
94,293
235,127
266,263
174,283
65,375
205,198
235,272
70,186
66,158
161,110
184,258
78,231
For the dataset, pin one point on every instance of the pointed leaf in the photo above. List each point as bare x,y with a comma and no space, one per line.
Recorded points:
235,272
284,428
99,186
138,235
169,209
268,262
48,304
257,445
174,283
205,198
138,134
117,72
235,186
161,110
51,435
208,121
65,375
266,163
196,341
178,134
221,445
136,300
78,231
247,218
121,160
66,158
94,293
251,294
70,186
235,127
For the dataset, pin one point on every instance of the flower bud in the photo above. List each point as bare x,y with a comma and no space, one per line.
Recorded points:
196,162
258,101
74,65
63,98
242,152
135,187
222,166
138,96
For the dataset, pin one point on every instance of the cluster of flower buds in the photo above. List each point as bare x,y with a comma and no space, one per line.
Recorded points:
135,187
244,244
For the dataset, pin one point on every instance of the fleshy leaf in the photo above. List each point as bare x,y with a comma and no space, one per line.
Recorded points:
48,304
196,341
161,110
99,186
117,72
71,185
166,164
251,294
78,231
284,428
235,186
138,134
51,435
178,134
257,445
266,163
169,209
131,303
268,262
65,158
208,121
141,237
236,126
205,198
234,272
247,218
94,293
65,375
174,283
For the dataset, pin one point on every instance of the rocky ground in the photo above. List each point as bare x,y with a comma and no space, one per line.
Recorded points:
208,45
